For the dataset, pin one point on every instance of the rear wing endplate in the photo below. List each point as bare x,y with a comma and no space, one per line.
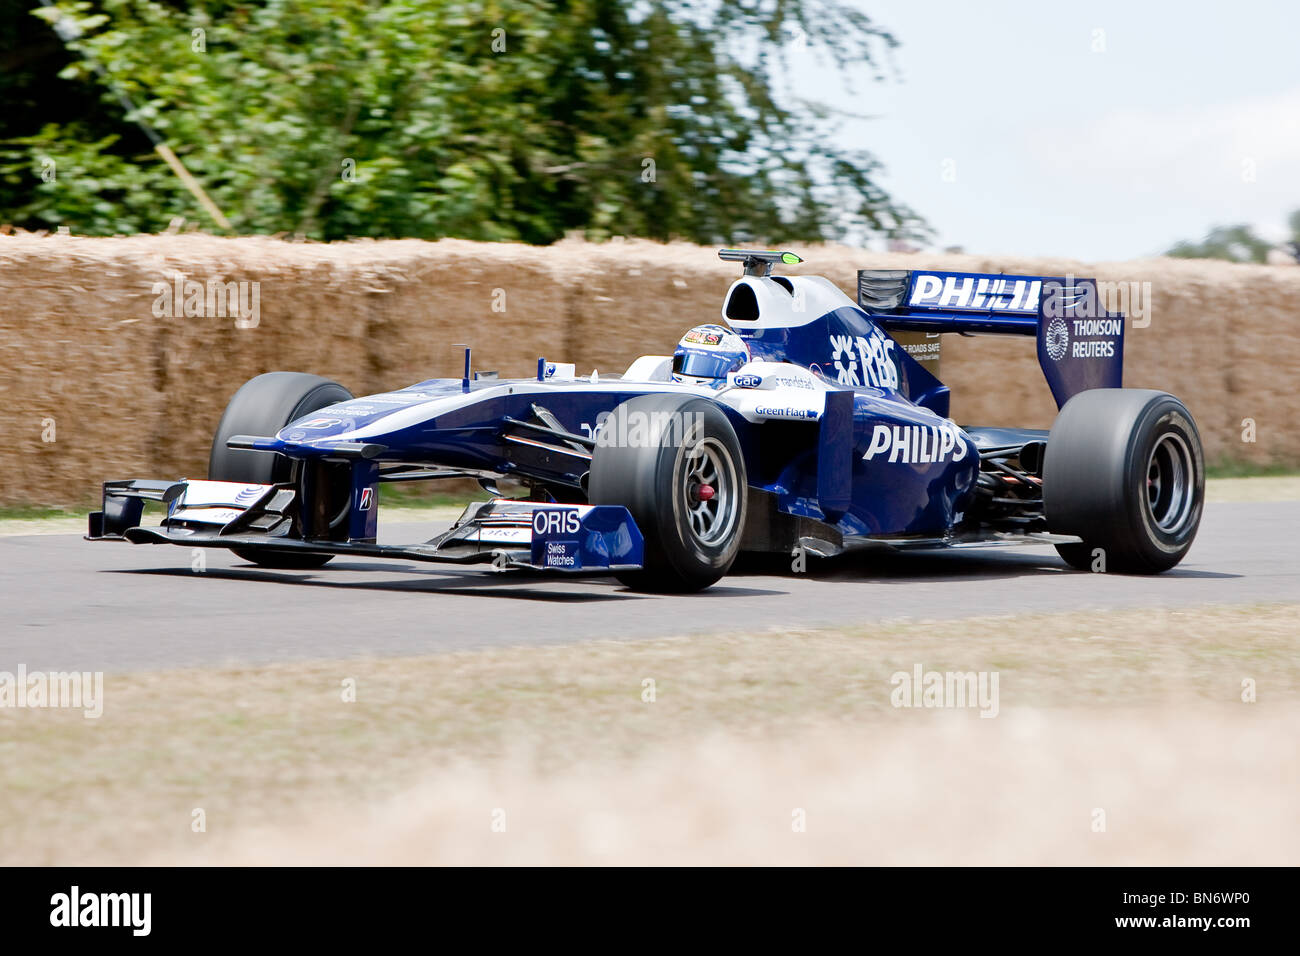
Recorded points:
1080,343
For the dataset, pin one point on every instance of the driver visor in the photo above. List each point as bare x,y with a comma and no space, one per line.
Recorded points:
704,364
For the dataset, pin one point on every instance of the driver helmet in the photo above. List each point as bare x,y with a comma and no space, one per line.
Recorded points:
706,354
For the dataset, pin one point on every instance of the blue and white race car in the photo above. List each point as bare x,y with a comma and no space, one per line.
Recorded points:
795,424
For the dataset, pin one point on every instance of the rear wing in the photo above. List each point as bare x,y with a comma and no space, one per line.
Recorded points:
1080,343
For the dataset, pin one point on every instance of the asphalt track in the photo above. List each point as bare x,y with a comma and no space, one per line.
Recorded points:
70,604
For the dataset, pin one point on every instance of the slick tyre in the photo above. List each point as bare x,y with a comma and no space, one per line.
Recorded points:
1125,472
675,463
262,407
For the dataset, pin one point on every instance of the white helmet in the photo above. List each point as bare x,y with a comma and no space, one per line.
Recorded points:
707,353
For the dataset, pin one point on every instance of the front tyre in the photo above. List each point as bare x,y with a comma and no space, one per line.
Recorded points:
262,407
675,463
1124,471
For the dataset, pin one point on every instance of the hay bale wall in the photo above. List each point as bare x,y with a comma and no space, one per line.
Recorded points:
130,393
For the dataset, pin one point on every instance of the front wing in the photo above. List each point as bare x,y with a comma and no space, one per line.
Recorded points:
504,533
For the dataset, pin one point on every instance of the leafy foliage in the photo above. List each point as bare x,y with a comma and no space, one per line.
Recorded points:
1237,244
1234,243
491,119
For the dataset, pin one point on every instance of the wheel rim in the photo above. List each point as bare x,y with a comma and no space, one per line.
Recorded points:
1170,482
709,492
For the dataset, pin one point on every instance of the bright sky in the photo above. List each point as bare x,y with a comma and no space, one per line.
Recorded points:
1190,117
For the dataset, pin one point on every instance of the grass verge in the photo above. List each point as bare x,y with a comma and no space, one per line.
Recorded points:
563,738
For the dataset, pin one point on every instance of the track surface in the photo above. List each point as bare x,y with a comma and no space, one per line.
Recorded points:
73,605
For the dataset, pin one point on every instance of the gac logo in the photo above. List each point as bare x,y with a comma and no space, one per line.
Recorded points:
556,521
748,381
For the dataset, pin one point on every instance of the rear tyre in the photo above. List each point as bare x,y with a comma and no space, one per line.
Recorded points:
1124,471
675,464
262,407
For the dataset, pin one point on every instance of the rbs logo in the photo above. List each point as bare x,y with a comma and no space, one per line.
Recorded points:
556,521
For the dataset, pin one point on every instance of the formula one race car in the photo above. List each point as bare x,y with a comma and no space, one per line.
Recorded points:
797,424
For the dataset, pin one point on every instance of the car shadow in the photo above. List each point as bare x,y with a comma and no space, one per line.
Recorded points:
504,584
884,567
501,584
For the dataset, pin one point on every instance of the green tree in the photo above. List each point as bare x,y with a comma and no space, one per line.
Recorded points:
1234,243
493,119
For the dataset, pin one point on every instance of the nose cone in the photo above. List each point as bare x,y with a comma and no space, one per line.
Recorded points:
374,418
319,424
339,420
